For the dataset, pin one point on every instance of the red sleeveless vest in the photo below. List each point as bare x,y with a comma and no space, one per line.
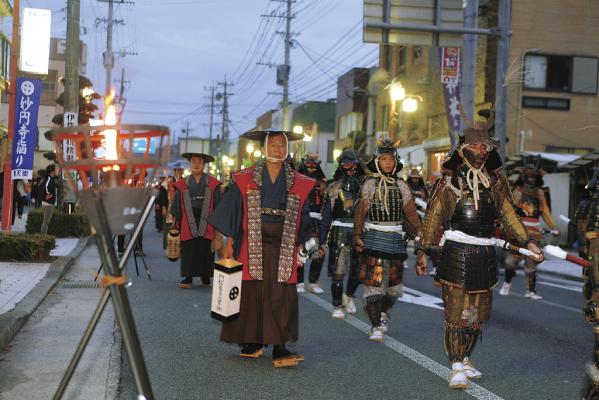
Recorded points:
181,186
302,185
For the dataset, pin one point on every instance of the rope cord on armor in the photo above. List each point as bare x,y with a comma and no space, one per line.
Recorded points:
383,180
272,159
474,176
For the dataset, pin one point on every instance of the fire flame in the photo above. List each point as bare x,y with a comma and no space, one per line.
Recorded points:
110,135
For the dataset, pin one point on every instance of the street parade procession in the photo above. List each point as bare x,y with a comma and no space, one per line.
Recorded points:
299,199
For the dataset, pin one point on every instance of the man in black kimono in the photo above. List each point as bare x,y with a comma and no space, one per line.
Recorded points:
265,216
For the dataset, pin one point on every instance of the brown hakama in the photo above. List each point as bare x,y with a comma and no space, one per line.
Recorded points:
269,309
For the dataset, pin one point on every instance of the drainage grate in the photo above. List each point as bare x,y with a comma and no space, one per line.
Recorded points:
81,285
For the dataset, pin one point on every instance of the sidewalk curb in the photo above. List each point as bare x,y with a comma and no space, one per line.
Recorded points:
12,321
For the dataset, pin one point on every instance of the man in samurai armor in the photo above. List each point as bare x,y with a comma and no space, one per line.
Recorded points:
418,188
588,211
195,198
338,224
470,197
265,216
531,205
385,214
310,166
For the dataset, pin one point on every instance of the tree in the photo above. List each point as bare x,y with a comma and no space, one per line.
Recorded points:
86,106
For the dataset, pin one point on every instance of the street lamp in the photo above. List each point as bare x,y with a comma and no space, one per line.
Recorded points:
230,162
249,148
257,154
298,129
397,91
409,105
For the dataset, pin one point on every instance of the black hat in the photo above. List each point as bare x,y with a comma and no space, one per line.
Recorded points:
261,135
207,158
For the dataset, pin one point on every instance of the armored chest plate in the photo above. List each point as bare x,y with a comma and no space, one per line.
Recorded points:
476,222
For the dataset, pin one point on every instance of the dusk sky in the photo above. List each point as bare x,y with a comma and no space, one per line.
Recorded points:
184,46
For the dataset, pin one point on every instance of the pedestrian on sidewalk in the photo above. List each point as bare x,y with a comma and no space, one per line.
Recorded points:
471,196
264,215
195,198
49,198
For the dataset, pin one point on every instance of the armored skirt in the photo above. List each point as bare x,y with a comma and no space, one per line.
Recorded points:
269,309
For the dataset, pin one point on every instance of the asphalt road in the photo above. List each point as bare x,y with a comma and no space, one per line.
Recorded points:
529,350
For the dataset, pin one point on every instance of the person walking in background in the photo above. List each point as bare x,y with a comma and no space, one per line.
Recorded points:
49,197
20,196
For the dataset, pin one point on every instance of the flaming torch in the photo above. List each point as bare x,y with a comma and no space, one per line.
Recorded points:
117,165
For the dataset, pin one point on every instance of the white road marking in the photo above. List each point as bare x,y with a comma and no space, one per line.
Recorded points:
414,296
475,390
565,287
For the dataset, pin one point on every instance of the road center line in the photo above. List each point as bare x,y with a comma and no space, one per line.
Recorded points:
475,390
550,303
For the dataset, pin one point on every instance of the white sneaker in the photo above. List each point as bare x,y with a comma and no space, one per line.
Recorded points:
338,313
384,323
532,295
505,289
314,288
457,377
470,371
300,288
348,304
376,334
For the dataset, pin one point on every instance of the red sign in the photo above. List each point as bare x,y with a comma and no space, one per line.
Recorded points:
450,65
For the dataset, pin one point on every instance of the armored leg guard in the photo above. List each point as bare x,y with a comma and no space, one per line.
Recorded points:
509,275
374,305
387,302
315,268
531,281
457,342
471,339
337,291
353,280
300,275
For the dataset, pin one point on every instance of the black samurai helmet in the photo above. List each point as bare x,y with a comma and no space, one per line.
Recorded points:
310,166
385,146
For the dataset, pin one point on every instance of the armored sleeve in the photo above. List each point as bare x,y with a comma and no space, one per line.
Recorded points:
546,211
511,222
440,207
409,207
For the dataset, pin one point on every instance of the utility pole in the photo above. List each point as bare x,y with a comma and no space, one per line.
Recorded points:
7,198
469,61
211,119
71,80
225,112
287,67
503,60
284,70
109,54
187,129
120,99
71,92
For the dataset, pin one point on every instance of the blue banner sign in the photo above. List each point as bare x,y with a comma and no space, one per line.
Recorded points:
27,105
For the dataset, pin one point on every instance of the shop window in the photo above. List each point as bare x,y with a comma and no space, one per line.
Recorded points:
349,122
